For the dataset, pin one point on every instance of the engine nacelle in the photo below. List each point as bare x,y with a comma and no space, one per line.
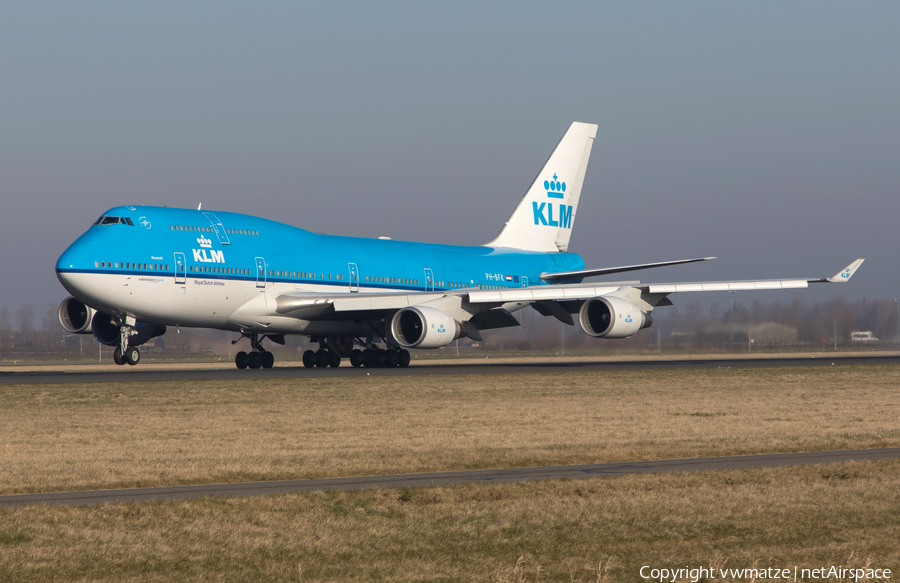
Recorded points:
106,331
611,317
424,327
75,317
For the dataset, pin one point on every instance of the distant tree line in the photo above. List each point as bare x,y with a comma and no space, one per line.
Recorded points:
21,335
717,325
694,326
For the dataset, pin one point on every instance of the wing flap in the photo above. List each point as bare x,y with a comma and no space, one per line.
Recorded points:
672,288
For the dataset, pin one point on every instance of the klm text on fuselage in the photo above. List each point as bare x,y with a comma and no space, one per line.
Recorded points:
565,215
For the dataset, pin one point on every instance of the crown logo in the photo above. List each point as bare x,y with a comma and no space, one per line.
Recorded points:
555,188
204,242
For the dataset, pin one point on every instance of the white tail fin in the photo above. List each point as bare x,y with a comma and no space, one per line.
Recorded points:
545,215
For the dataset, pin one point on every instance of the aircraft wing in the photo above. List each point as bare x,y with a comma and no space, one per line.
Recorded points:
582,273
311,306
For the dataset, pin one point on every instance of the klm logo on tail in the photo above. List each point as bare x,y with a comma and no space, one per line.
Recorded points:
555,189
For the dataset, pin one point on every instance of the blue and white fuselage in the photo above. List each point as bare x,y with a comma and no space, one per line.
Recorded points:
224,270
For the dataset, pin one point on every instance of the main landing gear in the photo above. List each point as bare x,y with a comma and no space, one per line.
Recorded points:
258,357
371,357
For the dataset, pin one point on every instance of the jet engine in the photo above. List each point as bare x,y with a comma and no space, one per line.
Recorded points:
611,317
106,331
75,317
424,327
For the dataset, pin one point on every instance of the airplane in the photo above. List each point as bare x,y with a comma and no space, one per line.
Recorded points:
140,269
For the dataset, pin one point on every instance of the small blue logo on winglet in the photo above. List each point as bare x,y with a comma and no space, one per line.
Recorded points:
846,274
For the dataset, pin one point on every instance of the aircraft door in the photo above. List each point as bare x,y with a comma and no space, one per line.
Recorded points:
260,272
429,279
524,280
180,268
354,277
218,228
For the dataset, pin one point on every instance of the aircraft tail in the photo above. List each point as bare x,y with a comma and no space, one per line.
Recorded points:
544,217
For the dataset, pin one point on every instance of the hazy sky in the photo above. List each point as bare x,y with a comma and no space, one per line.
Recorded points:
765,133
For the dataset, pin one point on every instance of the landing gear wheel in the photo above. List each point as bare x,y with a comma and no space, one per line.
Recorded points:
323,359
404,358
356,358
132,355
240,360
254,360
117,357
335,359
383,358
393,358
367,359
309,359
267,359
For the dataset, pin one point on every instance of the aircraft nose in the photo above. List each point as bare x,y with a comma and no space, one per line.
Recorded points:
73,260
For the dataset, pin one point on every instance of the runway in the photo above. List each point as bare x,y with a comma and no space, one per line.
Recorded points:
131,374
496,476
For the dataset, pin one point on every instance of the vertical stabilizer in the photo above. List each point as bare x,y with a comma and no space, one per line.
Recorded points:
544,218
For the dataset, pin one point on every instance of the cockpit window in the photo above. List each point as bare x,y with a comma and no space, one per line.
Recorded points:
113,221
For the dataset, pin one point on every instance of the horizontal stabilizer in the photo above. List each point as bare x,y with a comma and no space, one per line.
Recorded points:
571,275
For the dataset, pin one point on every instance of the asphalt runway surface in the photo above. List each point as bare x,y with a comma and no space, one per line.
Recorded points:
497,476
126,374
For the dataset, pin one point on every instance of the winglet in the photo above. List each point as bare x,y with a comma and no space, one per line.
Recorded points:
846,273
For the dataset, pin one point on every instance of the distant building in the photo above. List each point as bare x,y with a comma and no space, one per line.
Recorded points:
863,336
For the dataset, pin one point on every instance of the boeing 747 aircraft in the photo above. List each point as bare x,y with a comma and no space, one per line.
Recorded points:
140,269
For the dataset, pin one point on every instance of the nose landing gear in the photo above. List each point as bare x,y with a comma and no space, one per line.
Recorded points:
258,357
125,354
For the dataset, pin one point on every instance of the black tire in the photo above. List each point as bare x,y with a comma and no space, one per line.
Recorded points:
393,358
267,359
404,358
367,358
117,357
383,358
335,359
254,360
240,360
132,355
309,359
356,358
322,358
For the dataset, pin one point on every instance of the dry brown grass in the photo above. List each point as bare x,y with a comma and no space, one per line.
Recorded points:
86,436
839,514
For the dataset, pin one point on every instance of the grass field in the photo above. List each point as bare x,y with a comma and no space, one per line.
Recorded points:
85,436
601,529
